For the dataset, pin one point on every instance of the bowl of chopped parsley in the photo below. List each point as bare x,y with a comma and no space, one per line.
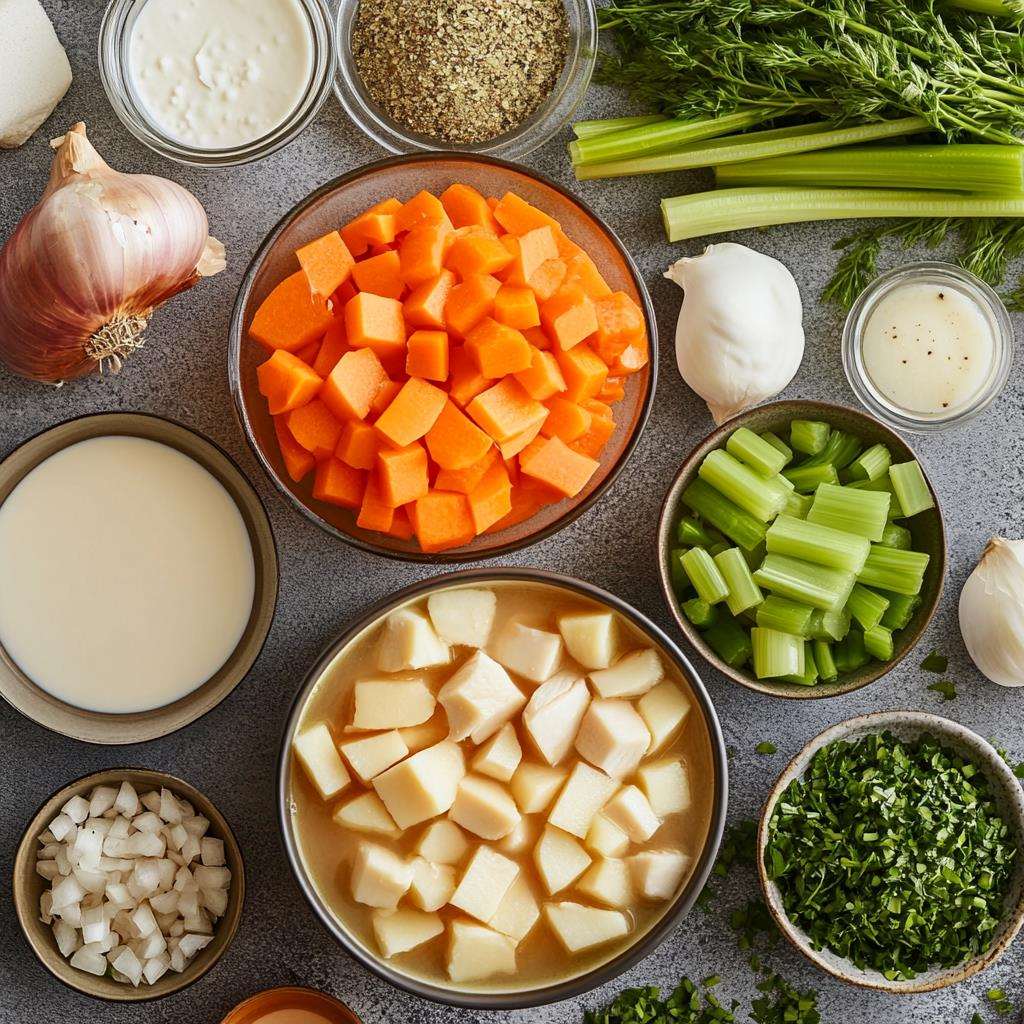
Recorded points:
891,852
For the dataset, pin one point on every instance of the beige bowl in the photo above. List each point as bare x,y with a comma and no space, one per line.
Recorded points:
28,887
906,725
95,727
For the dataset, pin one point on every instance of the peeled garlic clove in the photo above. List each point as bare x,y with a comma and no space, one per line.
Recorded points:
740,336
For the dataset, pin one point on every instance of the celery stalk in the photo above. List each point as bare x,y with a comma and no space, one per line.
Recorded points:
680,581
829,625
892,569
878,643
809,676
743,593
809,436
724,515
798,505
807,479
702,572
851,510
901,610
730,641
897,537
735,209
819,544
872,464
759,454
881,485
866,606
785,616
693,534
839,451
817,585
851,654
822,652
602,126
779,445
776,654
700,613
911,488
752,492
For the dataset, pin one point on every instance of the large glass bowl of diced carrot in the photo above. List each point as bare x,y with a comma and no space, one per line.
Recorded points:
442,357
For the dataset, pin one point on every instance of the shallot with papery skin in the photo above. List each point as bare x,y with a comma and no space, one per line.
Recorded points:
91,261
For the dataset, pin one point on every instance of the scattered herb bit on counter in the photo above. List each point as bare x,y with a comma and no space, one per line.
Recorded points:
781,1003
945,688
1019,770
738,847
686,1005
460,71
766,747
935,662
892,854
1000,1003
752,921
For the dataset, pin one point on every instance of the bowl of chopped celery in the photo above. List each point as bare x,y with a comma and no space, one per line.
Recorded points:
802,550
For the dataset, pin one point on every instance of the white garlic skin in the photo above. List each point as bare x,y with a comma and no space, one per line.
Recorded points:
992,612
740,336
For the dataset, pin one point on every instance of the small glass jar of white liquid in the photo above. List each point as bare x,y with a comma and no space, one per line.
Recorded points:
927,346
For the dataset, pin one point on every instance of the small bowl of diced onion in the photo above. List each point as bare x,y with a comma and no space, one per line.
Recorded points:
128,885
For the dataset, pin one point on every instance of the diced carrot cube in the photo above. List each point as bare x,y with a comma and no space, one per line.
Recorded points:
353,384
442,520
491,499
400,525
374,513
528,498
378,226
413,412
426,355
547,279
568,316
327,263
465,480
339,484
633,358
342,294
424,306
315,428
506,410
537,338
385,396
584,372
567,248
307,353
358,445
530,252
455,441
597,408
333,347
469,302
566,420
375,322
465,206
620,322
497,349
286,382
422,253
516,306
517,216
593,441
542,378
512,468
297,461
423,208
380,275
466,379
557,466
514,445
582,271
477,254
291,316
402,473
613,390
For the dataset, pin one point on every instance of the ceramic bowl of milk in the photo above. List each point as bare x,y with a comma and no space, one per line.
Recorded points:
140,577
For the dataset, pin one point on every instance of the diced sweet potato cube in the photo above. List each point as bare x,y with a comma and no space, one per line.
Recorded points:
338,484
505,410
422,253
620,322
633,359
514,445
455,441
593,441
353,384
566,420
466,381
385,396
547,279
427,355
491,499
375,322
465,207
358,444
315,428
297,461
613,390
292,315
413,412
477,254
516,306
423,208
469,302
441,520
286,382
380,275
374,512
308,354
333,347
583,272
584,371
326,262
517,216
424,305
529,253
403,474
542,379
466,480
557,466
497,349
378,226
568,316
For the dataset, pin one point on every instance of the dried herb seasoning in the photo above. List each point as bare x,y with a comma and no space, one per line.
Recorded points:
460,71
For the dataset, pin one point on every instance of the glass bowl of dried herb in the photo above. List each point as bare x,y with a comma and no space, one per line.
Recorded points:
465,75
891,852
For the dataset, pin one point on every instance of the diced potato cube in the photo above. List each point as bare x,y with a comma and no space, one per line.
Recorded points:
553,716
609,882
432,884
500,756
613,737
403,930
479,698
315,749
476,953
463,616
366,813
585,792
380,878
667,787
484,808
518,912
375,754
630,810
589,637
531,653
579,927
522,838
419,737
630,676
663,709
422,786
534,786
657,873
408,641
391,703
443,843
560,859
606,838
484,883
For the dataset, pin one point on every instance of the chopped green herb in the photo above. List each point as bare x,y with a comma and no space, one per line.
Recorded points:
976,1019
766,747
780,1003
752,921
1002,1005
935,662
738,846
945,687
686,1005
1019,770
712,981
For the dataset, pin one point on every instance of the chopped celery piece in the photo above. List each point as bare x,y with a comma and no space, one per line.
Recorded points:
851,654
730,641
809,676
776,654
881,485
851,510
798,505
700,567
892,569
819,544
700,613
602,126
809,436
872,464
807,479
754,556
785,616
866,606
823,660
743,593
829,625
839,451
753,493
878,643
779,445
724,515
680,581
896,536
901,610
816,585
718,547
755,452
911,488
693,534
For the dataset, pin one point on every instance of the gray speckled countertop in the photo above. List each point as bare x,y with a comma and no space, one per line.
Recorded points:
231,753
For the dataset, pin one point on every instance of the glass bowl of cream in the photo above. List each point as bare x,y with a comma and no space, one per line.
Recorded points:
927,346
216,82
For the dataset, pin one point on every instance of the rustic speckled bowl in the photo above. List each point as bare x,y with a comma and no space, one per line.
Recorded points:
906,725
926,528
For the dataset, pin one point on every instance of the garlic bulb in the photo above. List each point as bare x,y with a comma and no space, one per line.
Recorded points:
88,264
740,336
992,612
